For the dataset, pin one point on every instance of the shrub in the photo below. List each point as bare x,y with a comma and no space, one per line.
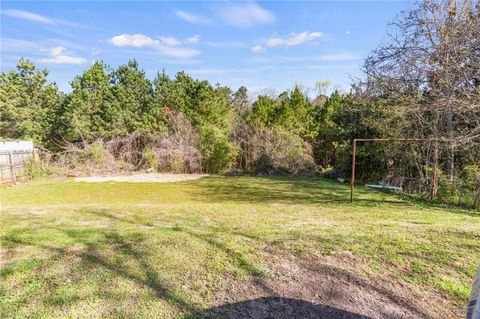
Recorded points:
264,165
274,151
90,158
36,169
150,158
177,152
96,152
216,148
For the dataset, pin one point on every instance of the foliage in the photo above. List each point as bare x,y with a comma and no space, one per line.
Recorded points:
264,165
430,64
28,104
418,84
37,169
179,150
263,112
209,110
106,103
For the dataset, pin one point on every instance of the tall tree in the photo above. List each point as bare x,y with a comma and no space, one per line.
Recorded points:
91,109
240,100
28,104
210,111
263,112
431,67
295,114
134,95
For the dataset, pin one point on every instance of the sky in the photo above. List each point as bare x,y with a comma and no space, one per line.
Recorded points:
260,45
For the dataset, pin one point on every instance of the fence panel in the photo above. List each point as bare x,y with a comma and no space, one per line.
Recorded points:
13,158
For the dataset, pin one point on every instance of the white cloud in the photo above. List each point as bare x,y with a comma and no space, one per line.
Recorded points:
30,16
60,55
347,32
245,15
258,49
293,39
170,41
140,40
132,40
192,18
193,39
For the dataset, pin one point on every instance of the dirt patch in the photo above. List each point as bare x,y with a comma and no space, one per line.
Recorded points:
142,178
326,287
7,256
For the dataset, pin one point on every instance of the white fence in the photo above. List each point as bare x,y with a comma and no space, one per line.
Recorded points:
13,156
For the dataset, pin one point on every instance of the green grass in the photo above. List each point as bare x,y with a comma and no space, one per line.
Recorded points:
164,250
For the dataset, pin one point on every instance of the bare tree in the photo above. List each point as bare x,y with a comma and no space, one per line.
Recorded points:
431,69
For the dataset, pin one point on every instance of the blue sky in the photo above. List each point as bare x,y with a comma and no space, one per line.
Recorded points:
256,44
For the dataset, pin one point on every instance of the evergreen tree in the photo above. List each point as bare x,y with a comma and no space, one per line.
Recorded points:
91,109
133,93
263,112
240,99
28,104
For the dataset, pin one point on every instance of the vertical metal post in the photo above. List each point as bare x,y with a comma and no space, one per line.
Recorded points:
12,170
433,190
352,180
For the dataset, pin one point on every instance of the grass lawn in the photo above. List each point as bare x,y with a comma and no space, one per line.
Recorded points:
193,249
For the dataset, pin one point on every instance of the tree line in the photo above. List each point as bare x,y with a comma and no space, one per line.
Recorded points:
424,83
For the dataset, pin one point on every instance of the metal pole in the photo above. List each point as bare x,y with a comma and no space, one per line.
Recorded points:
434,185
352,180
433,190
12,168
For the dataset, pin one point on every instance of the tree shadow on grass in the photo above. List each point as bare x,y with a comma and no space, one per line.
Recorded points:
93,255
278,308
98,252
257,273
304,190
288,190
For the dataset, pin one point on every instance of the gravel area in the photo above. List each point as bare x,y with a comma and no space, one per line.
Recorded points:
142,178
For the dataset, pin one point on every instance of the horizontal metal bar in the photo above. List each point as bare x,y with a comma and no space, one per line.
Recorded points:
398,140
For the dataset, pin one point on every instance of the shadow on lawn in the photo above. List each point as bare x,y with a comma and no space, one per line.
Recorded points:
326,270
267,307
292,190
94,255
102,250
278,308
306,190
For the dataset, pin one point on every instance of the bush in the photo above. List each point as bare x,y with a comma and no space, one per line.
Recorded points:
90,158
217,150
36,169
264,165
150,159
274,151
463,190
96,152
177,152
